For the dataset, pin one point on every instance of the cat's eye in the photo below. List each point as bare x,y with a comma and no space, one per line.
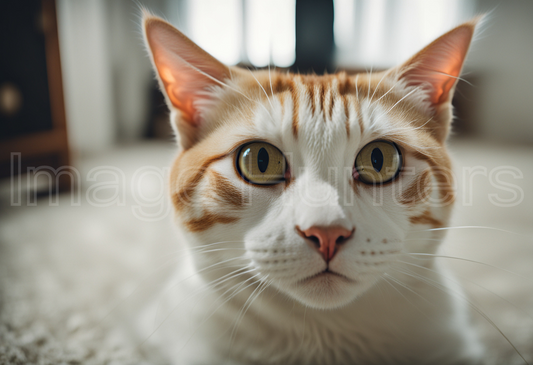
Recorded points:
378,162
261,163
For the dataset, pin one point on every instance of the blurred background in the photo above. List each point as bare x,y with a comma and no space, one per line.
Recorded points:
108,86
80,113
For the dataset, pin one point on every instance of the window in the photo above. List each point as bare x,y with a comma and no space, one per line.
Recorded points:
259,32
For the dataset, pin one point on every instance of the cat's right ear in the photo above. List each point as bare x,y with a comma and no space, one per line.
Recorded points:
435,71
186,74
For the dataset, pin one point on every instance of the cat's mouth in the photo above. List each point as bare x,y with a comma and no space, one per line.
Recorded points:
327,289
327,274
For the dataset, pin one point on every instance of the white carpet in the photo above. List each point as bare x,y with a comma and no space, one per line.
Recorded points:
64,268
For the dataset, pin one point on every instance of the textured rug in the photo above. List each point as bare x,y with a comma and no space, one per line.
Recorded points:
65,268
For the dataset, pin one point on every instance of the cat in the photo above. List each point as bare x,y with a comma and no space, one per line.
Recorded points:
307,206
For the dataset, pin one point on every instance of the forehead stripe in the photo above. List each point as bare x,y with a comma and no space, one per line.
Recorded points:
295,108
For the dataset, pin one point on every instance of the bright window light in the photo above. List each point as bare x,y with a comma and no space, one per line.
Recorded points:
216,26
258,16
344,24
373,22
270,32
284,33
436,17
381,33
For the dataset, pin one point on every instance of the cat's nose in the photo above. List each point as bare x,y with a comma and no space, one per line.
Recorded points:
327,239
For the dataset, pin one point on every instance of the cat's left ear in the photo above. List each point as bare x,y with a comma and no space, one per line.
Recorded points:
187,75
436,69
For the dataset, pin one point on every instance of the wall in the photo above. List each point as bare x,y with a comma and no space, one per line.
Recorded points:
107,73
87,76
502,57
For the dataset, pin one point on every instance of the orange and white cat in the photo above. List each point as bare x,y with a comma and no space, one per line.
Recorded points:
302,202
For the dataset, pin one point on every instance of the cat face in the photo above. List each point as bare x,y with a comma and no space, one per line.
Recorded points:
317,185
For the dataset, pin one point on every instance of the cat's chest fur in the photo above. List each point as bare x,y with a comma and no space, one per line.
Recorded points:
187,326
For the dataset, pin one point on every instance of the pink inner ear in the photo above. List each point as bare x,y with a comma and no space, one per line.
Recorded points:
440,63
181,85
185,70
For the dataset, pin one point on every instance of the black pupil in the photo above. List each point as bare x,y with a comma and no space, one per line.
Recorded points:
262,160
377,159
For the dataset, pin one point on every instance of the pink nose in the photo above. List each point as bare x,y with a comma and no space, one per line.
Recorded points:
327,239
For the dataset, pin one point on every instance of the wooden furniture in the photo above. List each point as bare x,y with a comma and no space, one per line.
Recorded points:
33,130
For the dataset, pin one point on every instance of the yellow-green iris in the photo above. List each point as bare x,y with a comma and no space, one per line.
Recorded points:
261,163
378,162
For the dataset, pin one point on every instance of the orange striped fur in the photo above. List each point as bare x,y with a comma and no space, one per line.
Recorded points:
319,94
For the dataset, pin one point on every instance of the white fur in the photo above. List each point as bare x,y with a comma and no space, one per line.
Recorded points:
378,315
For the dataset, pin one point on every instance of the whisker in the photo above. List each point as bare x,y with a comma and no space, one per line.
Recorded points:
215,243
472,282
408,127
173,310
382,96
303,329
270,81
197,248
451,76
220,249
179,255
467,260
137,287
439,286
476,227
262,88
377,86
407,288
217,308
405,96
386,93
230,87
161,268
423,239
220,82
213,284
369,79
261,287
207,268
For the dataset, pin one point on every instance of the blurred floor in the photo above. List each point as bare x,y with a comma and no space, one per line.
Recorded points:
63,268
506,244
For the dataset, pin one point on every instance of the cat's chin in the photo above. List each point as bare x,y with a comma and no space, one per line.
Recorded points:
327,290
